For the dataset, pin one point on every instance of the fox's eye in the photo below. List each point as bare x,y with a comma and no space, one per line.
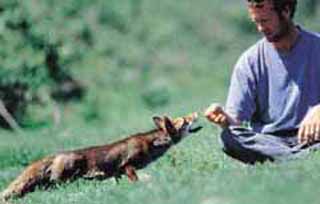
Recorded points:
185,124
162,141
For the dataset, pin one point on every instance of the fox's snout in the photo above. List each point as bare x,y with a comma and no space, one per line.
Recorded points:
192,119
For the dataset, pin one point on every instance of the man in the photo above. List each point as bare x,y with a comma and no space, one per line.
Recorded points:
275,87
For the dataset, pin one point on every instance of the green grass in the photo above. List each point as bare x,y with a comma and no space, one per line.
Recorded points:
146,58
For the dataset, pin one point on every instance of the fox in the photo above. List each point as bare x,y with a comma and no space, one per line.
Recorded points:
122,157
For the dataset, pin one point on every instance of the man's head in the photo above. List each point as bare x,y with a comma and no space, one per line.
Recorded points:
273,18
278,5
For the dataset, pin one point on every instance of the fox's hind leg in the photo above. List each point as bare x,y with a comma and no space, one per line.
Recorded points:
66,166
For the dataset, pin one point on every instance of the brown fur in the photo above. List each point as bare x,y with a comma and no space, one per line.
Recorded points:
101,162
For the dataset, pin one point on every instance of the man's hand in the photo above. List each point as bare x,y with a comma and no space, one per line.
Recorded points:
215,113
309,130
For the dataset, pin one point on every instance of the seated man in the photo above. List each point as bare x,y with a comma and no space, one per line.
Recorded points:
275,88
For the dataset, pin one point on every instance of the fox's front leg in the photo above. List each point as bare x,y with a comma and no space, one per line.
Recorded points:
117,177
131,173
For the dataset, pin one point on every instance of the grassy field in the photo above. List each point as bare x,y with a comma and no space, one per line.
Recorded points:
139,59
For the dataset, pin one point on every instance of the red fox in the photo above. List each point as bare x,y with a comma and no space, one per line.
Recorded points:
101,162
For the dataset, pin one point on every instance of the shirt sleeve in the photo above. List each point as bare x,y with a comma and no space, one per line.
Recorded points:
241,100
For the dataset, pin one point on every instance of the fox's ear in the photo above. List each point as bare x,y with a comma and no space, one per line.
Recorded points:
169,126
158,121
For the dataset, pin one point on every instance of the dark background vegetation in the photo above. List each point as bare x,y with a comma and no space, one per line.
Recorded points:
85,72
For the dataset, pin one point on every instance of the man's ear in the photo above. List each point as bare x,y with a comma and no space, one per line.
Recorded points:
286,12
169,126
158,121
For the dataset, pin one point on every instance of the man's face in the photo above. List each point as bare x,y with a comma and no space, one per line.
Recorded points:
267,20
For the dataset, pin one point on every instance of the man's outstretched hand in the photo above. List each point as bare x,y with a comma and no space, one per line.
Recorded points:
309,130
215,114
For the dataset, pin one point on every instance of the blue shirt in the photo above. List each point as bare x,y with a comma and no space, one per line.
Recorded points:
273,90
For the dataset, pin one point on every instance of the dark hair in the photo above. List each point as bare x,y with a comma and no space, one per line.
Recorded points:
280,5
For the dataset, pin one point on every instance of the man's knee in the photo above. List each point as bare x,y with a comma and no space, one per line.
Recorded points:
230,145
233,146
227,139
230,140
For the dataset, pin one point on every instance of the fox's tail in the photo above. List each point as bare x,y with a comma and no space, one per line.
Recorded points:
45,172
34,174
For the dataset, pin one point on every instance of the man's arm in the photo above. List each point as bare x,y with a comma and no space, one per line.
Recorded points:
215,114
309,130
242,94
